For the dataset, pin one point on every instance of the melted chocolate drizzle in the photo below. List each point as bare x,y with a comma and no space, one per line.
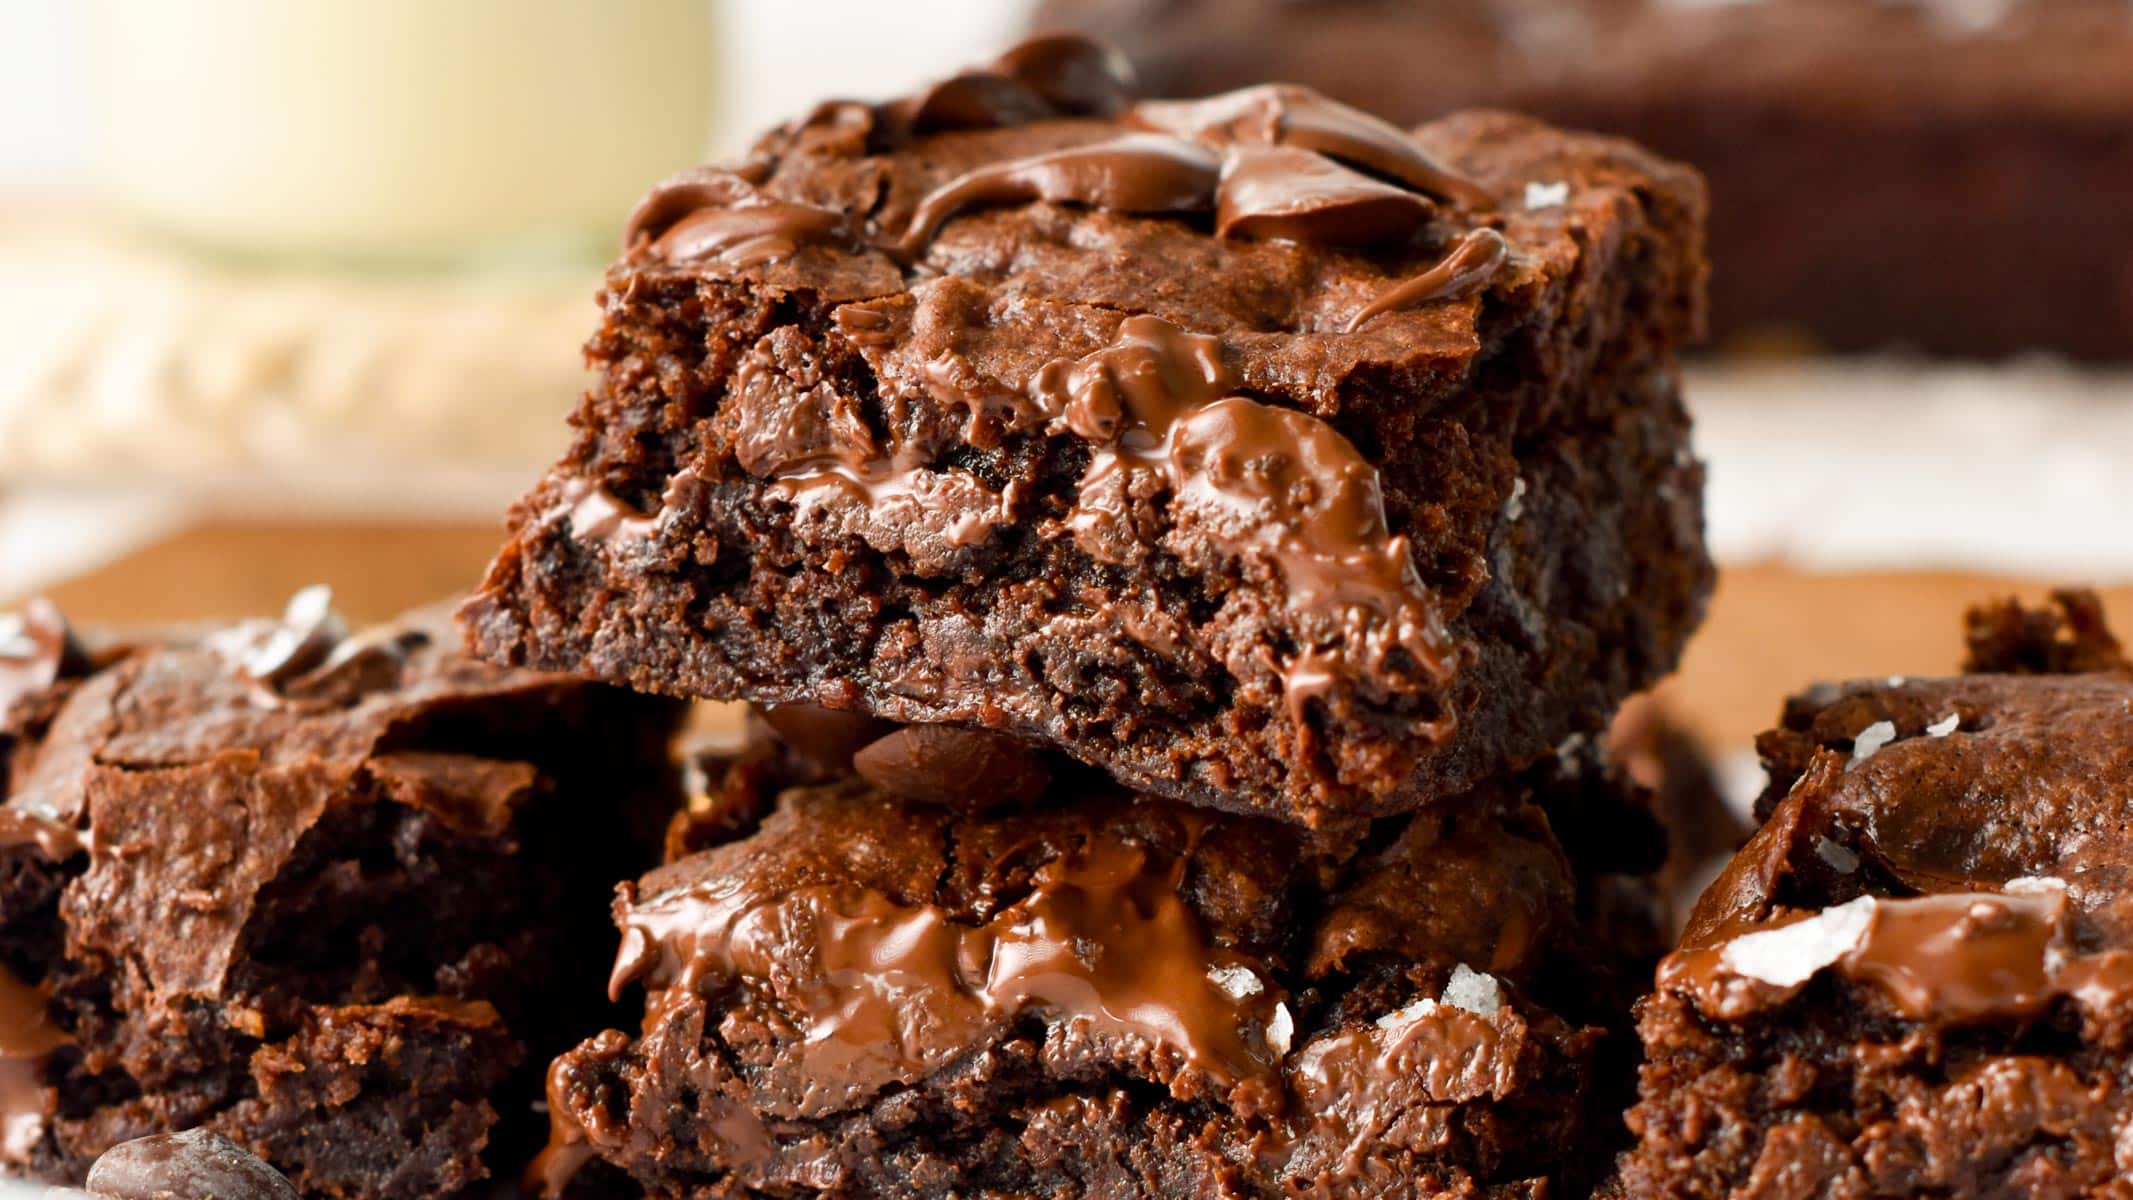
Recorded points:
889,991
1466,268
713,215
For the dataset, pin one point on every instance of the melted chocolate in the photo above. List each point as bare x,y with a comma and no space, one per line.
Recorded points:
1295,195
37,650
597,514
1957,958
1286,114
56,840
1078,75
1059,75
1136,173
1465,269
889,992
1264,482
713,215
27,1039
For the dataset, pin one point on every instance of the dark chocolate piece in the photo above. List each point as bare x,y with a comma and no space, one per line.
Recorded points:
195,1165
1039,450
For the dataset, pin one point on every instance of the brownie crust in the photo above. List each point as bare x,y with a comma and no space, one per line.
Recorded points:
1109,469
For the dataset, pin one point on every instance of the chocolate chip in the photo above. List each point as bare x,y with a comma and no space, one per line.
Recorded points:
826,737
961,768
194,1165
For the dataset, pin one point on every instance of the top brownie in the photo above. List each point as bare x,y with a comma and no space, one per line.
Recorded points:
1251,449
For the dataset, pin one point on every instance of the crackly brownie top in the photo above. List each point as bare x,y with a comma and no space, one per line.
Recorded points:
200,769
940,889
302,690
1955,849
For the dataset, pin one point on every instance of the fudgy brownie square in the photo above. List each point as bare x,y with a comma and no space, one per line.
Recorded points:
882,976
335,896
1252,449
1917,978
2004,128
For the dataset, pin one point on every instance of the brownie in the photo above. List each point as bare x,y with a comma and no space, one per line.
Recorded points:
1068,991
1917,978
1906,129
1252,450
335,896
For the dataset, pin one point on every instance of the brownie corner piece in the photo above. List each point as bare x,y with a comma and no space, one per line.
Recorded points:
1917,976
1263,454
334,895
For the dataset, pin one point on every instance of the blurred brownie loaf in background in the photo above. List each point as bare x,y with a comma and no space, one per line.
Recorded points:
1942,176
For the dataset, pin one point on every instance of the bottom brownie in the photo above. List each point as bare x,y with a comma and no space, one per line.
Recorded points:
335,897
944,966
1917,978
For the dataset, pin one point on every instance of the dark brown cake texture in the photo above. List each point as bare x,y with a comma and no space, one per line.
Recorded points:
1251,449
2001,129
1917,978
333,895
863,977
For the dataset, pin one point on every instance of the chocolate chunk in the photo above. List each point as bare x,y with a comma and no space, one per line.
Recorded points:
1136,173
827,737
1281,114
1281,192
195,1165
942,764
707,214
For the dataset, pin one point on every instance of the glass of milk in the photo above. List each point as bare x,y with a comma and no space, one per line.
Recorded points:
396,131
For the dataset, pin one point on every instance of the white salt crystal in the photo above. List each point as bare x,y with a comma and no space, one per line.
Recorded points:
1790,955
1870,741
1473,991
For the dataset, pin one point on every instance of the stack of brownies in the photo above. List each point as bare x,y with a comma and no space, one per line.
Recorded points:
1182,558
1181,554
